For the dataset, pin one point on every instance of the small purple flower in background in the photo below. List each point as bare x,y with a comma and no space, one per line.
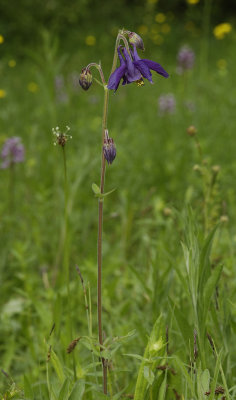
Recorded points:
61,95
12,152
133,69
74,80
167,104
185,59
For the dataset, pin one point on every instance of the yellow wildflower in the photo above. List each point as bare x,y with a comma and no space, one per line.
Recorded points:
193,1
155,29
160,17
221,30
221,64
143,29
11,63
157,39
165,28
1,39
90,40
2,93
33,87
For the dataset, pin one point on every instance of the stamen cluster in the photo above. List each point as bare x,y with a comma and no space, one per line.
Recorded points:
61,137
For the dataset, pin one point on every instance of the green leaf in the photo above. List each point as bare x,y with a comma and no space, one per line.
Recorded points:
180,365
182,322
57,366
154,346
205,266
205,380
148,374
78,390
28,391
96,189
107,193
210,288
63,395
162,391
216,373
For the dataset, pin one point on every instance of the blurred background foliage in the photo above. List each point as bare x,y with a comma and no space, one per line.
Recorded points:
71,21
158,170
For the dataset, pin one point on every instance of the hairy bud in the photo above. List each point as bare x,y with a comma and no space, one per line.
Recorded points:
191,130
135,39
85,79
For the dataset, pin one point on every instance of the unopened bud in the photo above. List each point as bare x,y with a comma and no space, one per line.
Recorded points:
191,130
135,39
197,168
215,169
109,148
224,218
167,212
85,79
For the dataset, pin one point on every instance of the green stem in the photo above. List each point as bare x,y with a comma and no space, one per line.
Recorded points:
66,255
11,188
120,37
99,248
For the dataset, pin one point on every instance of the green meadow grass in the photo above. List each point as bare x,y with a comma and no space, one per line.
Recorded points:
169,238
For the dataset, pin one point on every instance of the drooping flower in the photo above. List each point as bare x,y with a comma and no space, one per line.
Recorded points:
12,152
185,59
133,69
144,66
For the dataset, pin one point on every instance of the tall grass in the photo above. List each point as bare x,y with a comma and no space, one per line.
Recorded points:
167,264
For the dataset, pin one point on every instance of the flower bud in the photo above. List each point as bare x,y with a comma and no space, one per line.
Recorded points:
85,79
191,130
135,39
215,169
224,218
109,148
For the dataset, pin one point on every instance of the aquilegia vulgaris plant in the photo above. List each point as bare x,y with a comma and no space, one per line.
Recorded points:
132,69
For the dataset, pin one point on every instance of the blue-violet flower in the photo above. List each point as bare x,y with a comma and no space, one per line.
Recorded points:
133,69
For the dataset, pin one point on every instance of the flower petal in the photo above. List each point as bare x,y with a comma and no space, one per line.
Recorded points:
115,77
156,67
135,54
143,68
132,73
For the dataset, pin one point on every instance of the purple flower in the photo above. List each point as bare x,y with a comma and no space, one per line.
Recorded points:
167,104
185,59
12,152
133,69
109,148
61,95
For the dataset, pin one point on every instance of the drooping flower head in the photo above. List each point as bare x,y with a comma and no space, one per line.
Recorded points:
85,79
12,152
185,59
133,69
135,39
